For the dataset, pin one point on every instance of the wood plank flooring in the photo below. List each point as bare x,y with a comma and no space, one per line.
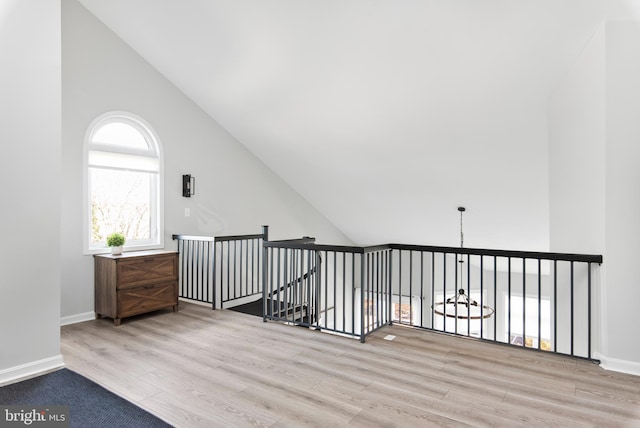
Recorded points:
204,368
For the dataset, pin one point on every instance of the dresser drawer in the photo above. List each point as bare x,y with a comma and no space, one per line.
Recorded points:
151,269
138,300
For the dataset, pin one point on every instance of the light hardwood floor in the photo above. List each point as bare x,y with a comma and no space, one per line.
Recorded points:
204,368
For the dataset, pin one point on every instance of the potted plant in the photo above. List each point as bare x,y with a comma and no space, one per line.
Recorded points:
115,241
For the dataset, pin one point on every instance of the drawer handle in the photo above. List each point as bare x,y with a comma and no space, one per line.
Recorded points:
149,286
149,260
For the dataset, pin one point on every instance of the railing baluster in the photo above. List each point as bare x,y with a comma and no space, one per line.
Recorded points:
375,273
455,282
589,310
284,304
572,308
294,291
309,276
228,252
369,293
344,290
246,267
353,293
205,270
200,274
183,260
399,286
235,268
444,290
410,287
241,283
539,304
468,294
318,288
555,306
275,306
433,289
421,288
362,299
335,285
267,282
221,275
481,297
214,272
292,294
495,296
201,265
509,302
389,282
192,276
524,303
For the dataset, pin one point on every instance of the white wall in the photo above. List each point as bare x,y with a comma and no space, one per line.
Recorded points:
30,193
235,192
576,154
595,203
623,195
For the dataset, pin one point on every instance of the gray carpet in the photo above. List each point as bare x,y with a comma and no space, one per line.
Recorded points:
90,405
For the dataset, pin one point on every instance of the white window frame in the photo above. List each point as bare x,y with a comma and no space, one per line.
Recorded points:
157,221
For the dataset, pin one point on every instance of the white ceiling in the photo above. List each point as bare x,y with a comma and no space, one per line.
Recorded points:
384,114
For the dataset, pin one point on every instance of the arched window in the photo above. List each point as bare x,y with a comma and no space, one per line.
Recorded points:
123,159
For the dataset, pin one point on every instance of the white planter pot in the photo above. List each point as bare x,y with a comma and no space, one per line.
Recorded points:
116,250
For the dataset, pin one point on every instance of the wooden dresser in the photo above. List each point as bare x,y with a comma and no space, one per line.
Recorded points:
135,283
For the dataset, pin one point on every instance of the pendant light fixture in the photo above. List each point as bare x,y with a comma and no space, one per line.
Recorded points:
461,305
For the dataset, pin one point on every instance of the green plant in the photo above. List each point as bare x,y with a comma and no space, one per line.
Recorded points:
115,240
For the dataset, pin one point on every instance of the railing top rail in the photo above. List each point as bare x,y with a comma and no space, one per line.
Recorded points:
374,248
312,246
587,258
303,240
308,243
238,237
192,238
217,238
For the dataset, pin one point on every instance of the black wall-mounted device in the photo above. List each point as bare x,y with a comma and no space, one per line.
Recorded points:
188,185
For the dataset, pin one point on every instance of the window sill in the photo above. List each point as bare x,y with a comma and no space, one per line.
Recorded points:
125,249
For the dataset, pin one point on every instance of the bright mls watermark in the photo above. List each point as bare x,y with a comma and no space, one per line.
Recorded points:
34,416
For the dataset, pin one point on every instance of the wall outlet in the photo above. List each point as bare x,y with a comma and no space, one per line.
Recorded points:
187,212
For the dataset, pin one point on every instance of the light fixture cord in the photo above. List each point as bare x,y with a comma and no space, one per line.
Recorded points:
461,234
461,263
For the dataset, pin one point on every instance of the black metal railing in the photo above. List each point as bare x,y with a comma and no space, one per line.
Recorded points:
222,270
237,267
291,293
338,289
196,270
534,300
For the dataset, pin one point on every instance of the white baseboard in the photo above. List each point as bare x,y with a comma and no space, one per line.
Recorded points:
72,319
622,366
29,370
194,302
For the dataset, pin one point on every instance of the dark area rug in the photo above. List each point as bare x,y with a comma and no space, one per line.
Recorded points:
90,405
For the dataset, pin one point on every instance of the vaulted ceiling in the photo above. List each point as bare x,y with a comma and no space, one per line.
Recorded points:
386,115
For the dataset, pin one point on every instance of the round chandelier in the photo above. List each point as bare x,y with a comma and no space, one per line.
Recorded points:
462,306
